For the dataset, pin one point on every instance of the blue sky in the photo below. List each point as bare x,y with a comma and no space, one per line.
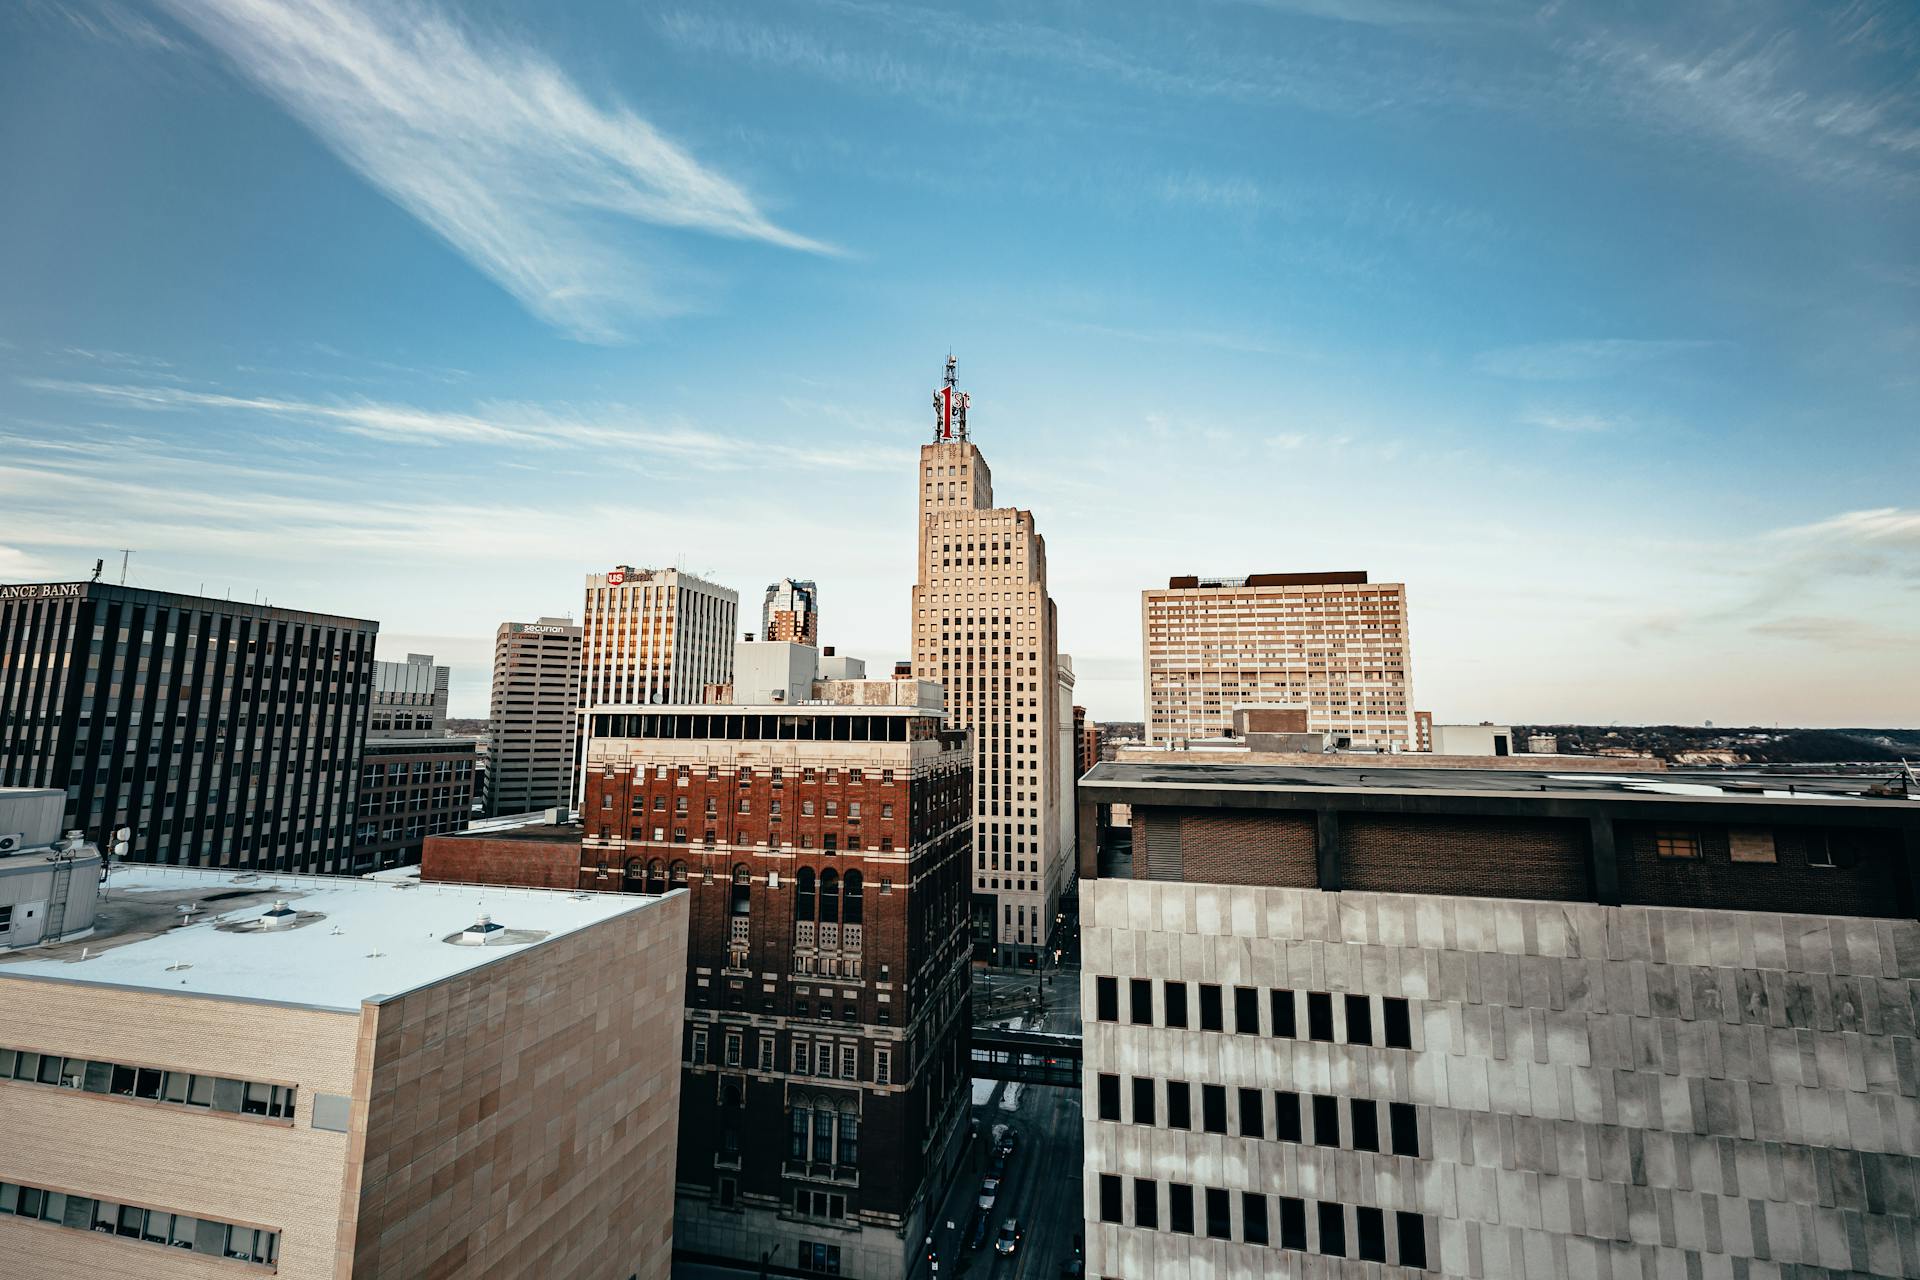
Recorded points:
1599,326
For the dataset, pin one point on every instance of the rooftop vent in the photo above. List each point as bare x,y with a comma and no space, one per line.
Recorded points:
481,932
278,916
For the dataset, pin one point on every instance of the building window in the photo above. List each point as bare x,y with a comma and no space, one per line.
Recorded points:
1366,1125
1404,1128
819,1259
1180,1208
1246,1011
802,1057
1333,1229
1359,1020
132,1222
1219,1214
1252,1114
1146,1203
1109,1097
1319,1015
1326,1121
766,1053
1210,1011
1293,1223
1370,1234
1286,1117
883,1066
1174,996
1677,844
1179,1105
1143,1100
1106,999
1411,1229
1109,1198
1283,1025
1397,1023
1213,1108
1140,995
1253,1217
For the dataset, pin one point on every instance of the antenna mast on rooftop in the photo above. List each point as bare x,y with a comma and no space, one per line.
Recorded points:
950,407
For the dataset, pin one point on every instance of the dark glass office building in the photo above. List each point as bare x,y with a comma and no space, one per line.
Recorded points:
221,734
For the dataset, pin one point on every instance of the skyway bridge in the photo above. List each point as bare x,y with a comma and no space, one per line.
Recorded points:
1029,1057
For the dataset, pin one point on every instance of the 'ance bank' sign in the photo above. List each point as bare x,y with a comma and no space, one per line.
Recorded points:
43,591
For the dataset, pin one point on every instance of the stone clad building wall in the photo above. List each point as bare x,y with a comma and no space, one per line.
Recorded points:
1594,1091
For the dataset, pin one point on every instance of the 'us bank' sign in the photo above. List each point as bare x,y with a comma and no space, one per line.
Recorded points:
43,591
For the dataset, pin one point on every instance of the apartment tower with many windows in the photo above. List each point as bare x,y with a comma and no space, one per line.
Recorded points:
1331,644
653,636
984,627
791,611
531,725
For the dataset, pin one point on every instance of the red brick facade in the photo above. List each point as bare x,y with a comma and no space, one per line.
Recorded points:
1472,857
771,860
550,863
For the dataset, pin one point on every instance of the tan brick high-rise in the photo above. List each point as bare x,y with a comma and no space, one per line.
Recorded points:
1332,644
985,628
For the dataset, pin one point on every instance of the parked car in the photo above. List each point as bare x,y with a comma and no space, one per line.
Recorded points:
977,1229
1008,1240
989,1190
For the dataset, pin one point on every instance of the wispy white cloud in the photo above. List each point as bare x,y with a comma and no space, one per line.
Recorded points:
1573,423
621,431
1583,358
108,21
1760,93
1879,526
492,146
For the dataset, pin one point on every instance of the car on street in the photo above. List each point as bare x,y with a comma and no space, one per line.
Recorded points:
977,1229
1009,1238
989,1190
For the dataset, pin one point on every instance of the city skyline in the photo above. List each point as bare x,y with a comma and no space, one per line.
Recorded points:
1544,335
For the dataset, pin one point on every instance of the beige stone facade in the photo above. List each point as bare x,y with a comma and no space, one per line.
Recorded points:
985,628
514,1114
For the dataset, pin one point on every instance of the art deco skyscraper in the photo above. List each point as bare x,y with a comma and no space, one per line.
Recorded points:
984,627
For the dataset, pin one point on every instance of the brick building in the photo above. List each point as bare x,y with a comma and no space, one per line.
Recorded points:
791,611
1491,1023
415,781
325,1076
1332,643
822,836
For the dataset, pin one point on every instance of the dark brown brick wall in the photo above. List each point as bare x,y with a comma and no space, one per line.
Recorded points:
543,864
1469,857
1224,847
1873,885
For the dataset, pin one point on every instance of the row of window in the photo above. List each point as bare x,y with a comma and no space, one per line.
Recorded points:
829,843
1331,1237
1289,1116
743,804
130,1222
822,1058
212,1093
1282,1011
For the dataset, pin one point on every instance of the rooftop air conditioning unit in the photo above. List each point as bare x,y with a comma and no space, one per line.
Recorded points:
12,842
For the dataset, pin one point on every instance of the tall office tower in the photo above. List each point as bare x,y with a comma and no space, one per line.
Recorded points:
1360,1022
984,627
1330,643
220,733
409,698
791,612
652,636
531,726
821,830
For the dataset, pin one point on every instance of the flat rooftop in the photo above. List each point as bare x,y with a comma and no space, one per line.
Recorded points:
1145,779
349,940
565,832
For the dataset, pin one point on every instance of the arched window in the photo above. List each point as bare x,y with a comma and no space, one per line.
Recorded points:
635,874
677,874
854,903
803,895
829,897
656,877
742,889
823,1133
